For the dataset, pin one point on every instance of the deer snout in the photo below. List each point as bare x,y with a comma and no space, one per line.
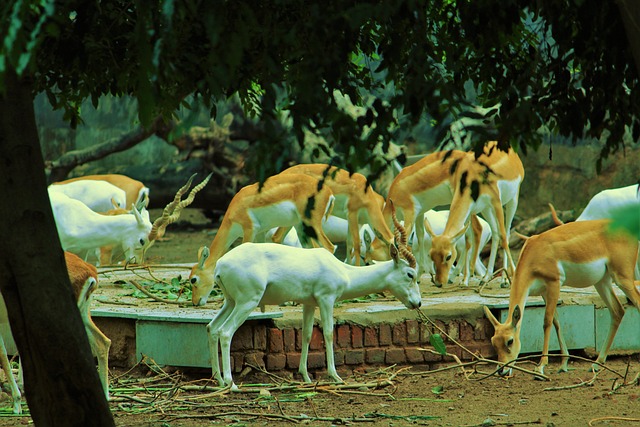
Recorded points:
200,302
505,372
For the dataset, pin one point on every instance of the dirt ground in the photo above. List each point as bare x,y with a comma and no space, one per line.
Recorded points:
397,396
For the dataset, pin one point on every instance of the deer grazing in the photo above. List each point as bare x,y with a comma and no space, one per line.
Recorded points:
99,196
482,185
417,188
252,275
81,229
289,200
137,194
356,201
465,252
580,255
84,281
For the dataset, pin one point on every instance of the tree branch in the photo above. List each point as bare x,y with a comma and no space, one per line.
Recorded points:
60,168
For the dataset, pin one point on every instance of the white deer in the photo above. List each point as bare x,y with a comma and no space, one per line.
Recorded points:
97,195
81,229
578,254
253,275
137,194
284,200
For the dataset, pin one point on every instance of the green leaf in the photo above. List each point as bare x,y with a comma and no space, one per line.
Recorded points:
439,389
438,343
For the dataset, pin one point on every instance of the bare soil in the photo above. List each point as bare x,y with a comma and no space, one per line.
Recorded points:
405,396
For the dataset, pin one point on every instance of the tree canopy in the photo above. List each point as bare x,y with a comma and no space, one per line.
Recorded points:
513,69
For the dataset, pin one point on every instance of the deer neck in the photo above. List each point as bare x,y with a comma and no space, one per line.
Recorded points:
366,280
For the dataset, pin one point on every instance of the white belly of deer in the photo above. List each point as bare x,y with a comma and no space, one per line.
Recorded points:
441,194
281,214
509,189
582,275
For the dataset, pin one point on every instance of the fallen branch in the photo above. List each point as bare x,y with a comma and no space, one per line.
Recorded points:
595,420
489,422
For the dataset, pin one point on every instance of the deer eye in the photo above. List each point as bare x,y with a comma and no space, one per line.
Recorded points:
194,280
509,342
142,242
410,276
448,257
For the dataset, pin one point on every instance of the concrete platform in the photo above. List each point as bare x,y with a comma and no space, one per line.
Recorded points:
176,336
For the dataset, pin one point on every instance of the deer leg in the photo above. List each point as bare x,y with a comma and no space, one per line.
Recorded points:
616,310
237,317
564,366
279,235
100,345
6,367
353,239
326,316
307,332
504,242
490,217
213,329
550,297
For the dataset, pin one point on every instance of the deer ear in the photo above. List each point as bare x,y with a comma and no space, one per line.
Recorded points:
393,251
517,315
490,316
427,228
203,254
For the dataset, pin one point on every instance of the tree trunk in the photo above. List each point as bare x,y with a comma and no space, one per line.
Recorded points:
61,381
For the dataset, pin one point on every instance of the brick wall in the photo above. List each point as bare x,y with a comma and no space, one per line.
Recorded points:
356,347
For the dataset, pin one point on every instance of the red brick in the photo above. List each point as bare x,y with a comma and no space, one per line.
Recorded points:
385,334
276,362
356,336
237,362
425,333
275,340
243,338
453,330
400,334
466,331
343,336
370,337
395,356
354,357
255,358
260,337
414,355
441,326
431,357
483,348
317,339
299,339
453,349
316,360
293,360
374,356
289,340
413,331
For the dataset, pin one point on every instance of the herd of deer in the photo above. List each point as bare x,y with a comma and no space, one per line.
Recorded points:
290,223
